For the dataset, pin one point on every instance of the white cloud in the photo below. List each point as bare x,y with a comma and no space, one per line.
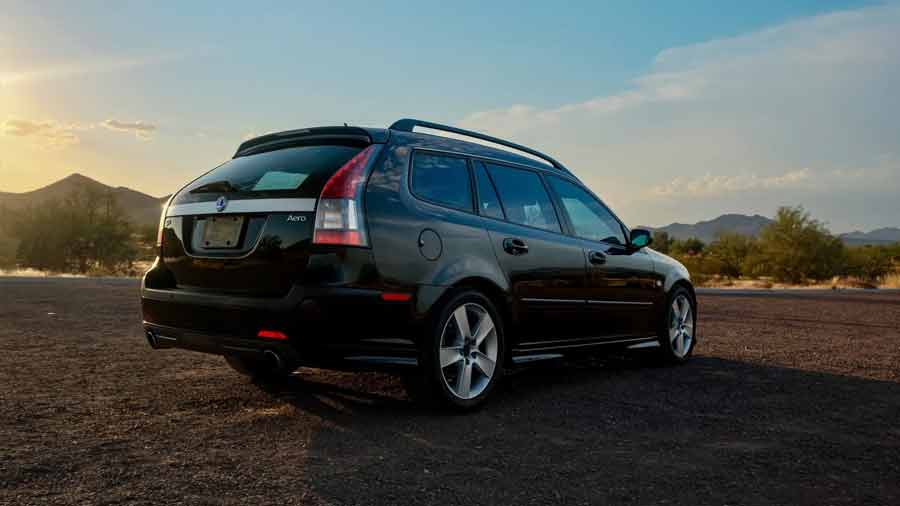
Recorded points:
46,133
737,116
709,184
52,134
141,130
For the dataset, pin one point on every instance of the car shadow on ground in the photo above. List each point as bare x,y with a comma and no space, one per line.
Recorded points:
611,429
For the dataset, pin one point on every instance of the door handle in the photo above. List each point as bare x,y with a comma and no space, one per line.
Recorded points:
515,246
597,257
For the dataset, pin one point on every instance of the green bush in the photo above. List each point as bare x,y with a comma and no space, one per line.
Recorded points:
796,248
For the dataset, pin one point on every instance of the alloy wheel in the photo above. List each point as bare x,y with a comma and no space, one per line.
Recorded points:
469,348
681,326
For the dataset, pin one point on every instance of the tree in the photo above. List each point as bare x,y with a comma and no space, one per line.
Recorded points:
690,247
83,231
796,248
869,263
662,242
731,250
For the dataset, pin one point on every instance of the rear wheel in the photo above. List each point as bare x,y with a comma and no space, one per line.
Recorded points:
268,367
677,333
462,357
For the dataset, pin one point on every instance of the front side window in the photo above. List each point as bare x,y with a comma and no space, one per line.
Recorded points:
590,219
443,180
524,197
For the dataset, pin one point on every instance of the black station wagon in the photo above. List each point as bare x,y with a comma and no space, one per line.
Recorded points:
449,260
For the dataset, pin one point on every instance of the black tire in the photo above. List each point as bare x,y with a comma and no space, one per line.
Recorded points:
262,368
432,384
668,349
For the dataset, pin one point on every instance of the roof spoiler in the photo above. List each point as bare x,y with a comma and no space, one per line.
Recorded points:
279,140
408,124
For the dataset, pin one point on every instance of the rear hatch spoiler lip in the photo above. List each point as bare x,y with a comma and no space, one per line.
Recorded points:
271,142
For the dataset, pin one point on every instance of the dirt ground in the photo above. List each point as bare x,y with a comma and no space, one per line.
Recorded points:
789,400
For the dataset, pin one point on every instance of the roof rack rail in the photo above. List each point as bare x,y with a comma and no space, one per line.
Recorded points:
408,124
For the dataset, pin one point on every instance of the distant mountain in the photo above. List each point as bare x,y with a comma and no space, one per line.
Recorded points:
878,236
140,208
707,231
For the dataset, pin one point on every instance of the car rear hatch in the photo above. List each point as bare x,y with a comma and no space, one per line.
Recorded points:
247,227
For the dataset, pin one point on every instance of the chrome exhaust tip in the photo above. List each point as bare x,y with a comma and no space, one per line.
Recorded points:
274,359
151,339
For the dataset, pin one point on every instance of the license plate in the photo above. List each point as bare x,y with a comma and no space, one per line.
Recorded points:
222,232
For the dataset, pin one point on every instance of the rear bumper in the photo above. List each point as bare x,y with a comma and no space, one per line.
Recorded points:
160,337
326,326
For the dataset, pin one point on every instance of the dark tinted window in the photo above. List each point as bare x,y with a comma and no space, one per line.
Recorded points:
524,197
443,180
301,171
590,219
488,202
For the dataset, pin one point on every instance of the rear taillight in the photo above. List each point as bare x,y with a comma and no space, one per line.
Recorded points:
162,223
339,213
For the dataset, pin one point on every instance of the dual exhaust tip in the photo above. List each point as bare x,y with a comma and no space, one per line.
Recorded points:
156,342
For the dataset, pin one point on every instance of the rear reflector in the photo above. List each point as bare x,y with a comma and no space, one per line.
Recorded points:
396,297
272,334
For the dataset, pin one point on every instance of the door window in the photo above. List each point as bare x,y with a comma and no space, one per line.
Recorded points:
524,197
488,202
590,219
443,180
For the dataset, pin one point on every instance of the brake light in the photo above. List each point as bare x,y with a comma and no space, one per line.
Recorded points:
339,215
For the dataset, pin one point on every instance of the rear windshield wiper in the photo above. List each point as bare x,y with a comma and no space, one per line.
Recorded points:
215,187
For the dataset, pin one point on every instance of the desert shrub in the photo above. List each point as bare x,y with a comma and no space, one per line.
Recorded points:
730,251
869,263
662,242
796,248
692,246
82,232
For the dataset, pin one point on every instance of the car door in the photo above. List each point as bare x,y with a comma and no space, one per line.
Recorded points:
621,286
545,268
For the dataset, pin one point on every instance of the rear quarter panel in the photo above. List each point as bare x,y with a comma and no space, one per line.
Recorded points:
396,219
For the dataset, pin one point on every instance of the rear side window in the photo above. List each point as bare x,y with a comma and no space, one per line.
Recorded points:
300,171
488,202
590,219
443,180
524,197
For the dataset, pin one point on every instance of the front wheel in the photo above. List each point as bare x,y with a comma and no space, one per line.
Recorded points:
464,352
677,333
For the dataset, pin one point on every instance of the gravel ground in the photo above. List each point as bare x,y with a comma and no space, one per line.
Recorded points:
789,400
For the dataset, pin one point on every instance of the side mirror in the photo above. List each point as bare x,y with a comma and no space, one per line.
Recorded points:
640,238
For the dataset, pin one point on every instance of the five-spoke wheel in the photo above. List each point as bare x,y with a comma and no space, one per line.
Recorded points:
463,356
469,350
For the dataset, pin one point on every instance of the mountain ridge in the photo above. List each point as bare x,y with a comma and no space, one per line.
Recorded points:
140,208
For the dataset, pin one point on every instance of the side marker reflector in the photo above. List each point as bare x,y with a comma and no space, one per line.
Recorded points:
396,297
272,334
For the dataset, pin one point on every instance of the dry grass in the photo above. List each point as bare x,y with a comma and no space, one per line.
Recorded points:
890,281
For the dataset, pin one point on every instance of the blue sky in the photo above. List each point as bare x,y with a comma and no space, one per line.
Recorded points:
644,100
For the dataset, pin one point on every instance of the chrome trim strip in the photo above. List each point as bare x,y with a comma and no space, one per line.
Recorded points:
620,303
524,359
245,206
554,301
382,360
647,344
568,344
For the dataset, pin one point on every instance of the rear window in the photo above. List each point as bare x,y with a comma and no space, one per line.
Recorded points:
301,171
443,180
